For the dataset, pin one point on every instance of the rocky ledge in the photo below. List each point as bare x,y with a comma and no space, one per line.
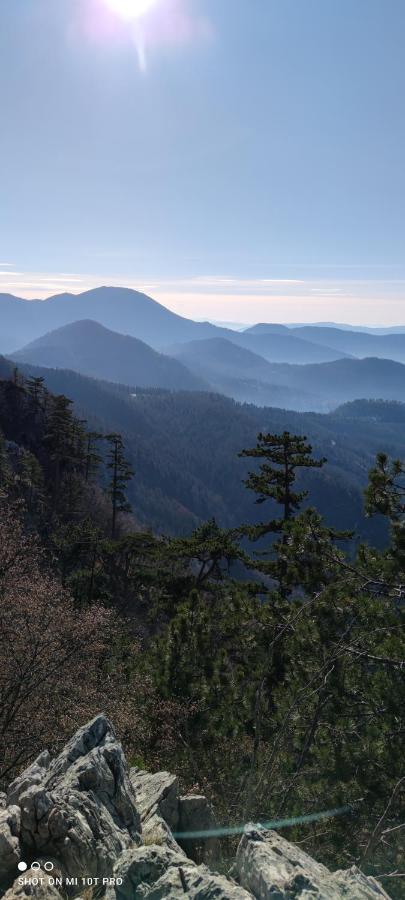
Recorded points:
87,826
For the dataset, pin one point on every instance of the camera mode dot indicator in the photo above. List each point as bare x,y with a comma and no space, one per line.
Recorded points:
22,866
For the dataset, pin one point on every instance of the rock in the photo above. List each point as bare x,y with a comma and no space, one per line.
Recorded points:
43,890
158,872
196,816
10,853
157,831
79,808
273,869
33,775
163,811
157,793
157,800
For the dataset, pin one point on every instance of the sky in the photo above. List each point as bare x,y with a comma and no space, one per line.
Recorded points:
239,160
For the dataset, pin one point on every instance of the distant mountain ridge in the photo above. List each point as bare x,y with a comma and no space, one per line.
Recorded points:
314,386
94,350
123,309
356,343
239,373
216,364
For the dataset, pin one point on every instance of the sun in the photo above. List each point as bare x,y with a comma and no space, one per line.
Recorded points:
130,9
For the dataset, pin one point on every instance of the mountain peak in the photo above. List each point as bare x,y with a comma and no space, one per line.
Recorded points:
88,347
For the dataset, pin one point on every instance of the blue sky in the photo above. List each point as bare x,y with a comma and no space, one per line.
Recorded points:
238,159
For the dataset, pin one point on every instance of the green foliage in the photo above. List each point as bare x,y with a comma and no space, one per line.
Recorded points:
284,456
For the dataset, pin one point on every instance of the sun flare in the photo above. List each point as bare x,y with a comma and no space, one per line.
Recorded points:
130,9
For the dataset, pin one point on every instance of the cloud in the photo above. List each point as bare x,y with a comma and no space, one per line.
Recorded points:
229,298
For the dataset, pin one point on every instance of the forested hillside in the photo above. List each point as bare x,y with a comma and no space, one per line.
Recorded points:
280,692
206,431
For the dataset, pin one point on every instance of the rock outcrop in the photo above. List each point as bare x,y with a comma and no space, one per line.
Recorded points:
79,808
271,868
84,825
10,823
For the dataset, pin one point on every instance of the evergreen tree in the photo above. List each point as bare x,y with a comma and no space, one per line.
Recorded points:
92,456
385,496
284,455
34,386
31,481
59,437
5,471
121,474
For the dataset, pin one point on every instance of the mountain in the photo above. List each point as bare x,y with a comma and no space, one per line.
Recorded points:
266,328
345,379
342,326
222,357
91,349
241,374
23,321
286,347
373,411
18,322
355,343
246,376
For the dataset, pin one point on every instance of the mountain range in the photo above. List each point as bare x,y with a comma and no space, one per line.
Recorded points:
140,316
304,368
317,386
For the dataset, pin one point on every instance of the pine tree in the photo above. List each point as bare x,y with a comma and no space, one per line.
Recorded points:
385,496
31,480
34,386
121,474
92,457
283,455
59,437
5,471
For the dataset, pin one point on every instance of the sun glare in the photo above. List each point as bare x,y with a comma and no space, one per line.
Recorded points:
131,9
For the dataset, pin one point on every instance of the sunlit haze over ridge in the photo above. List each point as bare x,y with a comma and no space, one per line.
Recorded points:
237,161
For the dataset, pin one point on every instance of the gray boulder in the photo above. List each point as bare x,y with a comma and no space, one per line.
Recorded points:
33,884
9,841
156,794
155,873
79,808
34,774
273,869
157,801
163,811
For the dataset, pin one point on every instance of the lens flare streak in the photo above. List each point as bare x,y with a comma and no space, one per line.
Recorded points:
275,824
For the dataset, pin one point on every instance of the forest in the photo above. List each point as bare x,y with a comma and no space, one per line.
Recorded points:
262,658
